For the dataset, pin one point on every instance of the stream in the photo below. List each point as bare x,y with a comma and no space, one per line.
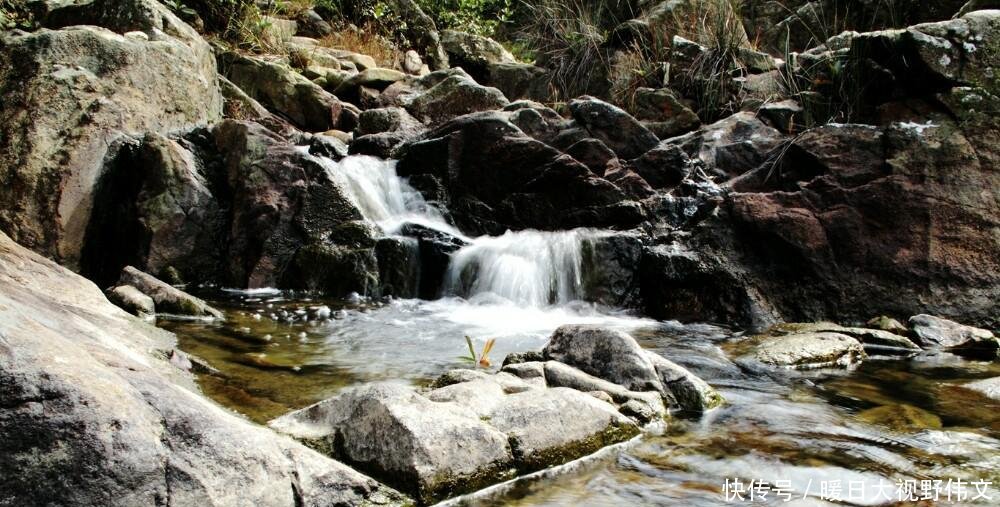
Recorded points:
820,437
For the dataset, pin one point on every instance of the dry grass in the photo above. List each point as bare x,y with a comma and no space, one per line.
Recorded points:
292,8
364,41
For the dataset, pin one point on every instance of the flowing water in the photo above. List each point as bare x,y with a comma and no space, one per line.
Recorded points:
853,435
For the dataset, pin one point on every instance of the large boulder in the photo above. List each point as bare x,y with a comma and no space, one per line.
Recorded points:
282,200
937,333
443,95
286,92
94,411
429,449
616,128
616,357
471,430
158,204
473,53
67,94
498,177
852,220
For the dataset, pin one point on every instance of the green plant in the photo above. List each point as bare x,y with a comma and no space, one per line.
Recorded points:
483,358
179,8
482,17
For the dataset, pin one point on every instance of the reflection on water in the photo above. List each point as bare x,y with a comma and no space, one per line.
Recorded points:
888,420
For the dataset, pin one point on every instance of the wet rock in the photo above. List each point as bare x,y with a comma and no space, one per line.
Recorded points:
427,449
334,269
607,354
808,350
616,128
498,178
282,200
91,397
556,425
284,91
132,300
561,375
731,146
611,260
872,337
616,357
938,333
989,387
398,266
328,146
168,299
69,93
902,418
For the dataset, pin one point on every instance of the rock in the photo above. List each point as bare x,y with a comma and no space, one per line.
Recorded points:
238,105
561,375
731,146
784,115
328,146
607,354
528,371
688,393
90,397
286,92
398,266
498,178
616,128
901,418
473,53
282,200
523,357
662,112
430,450
989,387
434,250
389,119
378,79
67,94
179,216
557,425
807,350
334,269
311,24
278,29
872,337
132,300
664,166
887,324
935,332
520,81
412,63
616,357
453,96
168,300
420,28
956,52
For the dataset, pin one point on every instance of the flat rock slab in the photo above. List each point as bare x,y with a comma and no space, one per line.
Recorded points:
805,350
989,387
867,336
167,299
473,431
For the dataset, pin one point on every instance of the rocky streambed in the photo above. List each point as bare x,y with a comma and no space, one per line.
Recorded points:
803,402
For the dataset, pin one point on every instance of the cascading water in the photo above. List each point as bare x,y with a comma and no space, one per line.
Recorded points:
527,268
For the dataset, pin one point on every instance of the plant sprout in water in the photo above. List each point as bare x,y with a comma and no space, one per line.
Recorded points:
483,359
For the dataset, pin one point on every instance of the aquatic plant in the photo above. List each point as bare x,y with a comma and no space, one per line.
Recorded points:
482,359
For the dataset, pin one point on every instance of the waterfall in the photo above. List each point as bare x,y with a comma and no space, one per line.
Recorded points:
529,268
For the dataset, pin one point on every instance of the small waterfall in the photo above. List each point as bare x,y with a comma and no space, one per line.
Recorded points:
528,268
